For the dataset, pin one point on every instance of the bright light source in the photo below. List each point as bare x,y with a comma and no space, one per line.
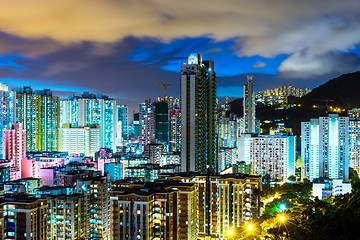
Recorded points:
282,218
230,232
282,207
249,227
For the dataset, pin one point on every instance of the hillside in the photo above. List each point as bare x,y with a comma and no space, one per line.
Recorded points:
342,92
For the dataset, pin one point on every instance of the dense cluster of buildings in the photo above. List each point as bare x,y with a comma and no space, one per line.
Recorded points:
83,168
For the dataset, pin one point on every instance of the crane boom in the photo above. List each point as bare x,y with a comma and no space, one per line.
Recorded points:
164,85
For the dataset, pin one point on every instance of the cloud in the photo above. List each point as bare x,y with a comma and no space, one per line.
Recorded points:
306,65
62,67
262,28
259,64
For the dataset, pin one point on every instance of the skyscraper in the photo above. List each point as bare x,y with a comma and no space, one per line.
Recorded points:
198,115
92,109
161,121
39,113
147,123
123,118
325,148
7,110
174,116
14,148
354,144
249,106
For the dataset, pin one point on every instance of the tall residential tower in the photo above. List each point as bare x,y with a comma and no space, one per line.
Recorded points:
7,110
39,113
198,115
249,106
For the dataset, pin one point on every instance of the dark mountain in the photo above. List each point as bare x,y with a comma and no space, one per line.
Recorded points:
343,91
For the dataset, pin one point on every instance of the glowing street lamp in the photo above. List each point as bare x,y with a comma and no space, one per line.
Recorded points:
230,232
249,227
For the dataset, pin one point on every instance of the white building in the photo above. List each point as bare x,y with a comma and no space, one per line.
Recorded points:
80,140
273,155
323,188
325,148
354,144
92,109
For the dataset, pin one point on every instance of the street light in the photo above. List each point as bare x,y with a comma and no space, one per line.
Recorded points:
281,218
249,227
230,232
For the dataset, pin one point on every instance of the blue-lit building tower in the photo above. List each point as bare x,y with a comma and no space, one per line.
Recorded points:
7,110
90,109
123,118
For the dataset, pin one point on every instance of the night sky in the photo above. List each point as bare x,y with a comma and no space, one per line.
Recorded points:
119,47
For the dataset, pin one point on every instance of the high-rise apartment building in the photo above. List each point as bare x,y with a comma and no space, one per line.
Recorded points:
354,144
146,122
80,140
223,201
325,148
65,218
39,113
24,217
174,126
198,115
249,106
160,210
14,148
92,109
96,206
7,110
272,155
123,118
161,121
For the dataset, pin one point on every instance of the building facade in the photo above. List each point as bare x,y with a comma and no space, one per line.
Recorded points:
249,106
165,210
146,123
123,118
39,113
272,155
7,110
90,109
96,206
198,115
161,121
325,148
24,217
223,201
80,140
14,148
354,144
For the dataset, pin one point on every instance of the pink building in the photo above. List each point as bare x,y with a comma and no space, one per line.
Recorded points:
31,167
14,148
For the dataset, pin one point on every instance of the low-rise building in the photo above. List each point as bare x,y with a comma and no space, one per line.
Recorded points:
324,188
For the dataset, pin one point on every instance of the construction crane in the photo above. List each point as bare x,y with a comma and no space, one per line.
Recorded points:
327,100
164,85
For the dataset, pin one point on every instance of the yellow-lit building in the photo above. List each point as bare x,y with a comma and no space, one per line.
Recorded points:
66,217
24,217
224,201
162,210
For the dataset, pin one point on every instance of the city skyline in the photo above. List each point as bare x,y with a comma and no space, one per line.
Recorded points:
104,46
172,120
